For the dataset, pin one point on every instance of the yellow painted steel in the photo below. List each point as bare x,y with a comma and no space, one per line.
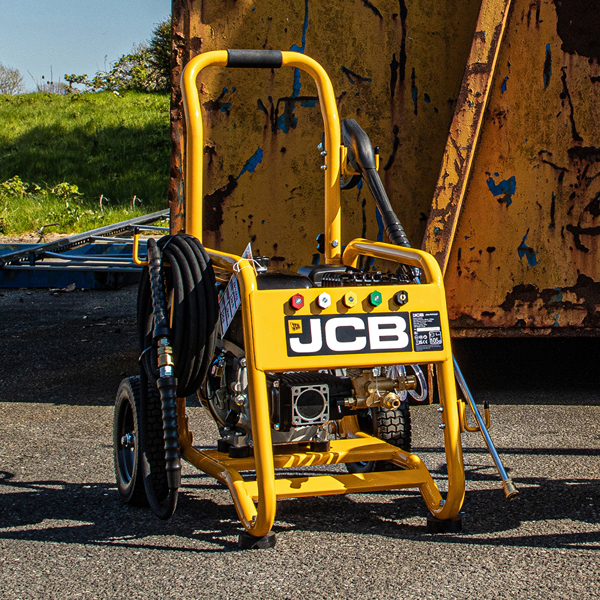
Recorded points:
195,146
465,130
194,150
263,322
521,245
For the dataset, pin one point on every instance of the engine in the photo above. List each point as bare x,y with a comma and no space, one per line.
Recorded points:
302,404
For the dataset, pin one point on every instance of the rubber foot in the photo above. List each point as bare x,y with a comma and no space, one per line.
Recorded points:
435,525
319,446
249,542
239,451
222,446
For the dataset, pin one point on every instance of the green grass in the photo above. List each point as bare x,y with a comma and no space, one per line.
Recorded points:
105,149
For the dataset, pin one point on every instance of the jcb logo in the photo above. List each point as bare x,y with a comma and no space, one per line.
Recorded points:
295,326
350,334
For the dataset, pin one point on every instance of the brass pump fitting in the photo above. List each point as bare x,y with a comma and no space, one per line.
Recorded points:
380,391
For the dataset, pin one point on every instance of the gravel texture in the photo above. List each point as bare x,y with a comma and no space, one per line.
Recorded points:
65,534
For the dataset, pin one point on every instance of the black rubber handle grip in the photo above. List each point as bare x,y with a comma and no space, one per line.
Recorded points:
254,59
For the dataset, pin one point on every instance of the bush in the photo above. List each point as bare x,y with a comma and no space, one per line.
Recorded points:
11,81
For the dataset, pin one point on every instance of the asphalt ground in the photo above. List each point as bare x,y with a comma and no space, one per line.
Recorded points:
64,533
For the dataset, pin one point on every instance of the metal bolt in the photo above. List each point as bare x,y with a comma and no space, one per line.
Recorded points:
440,409
335,243
323,167
442,426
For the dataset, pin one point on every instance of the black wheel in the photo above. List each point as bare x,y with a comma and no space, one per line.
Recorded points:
391,426
126,442
138,464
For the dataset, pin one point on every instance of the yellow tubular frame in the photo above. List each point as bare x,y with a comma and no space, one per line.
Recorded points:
255,501
194,155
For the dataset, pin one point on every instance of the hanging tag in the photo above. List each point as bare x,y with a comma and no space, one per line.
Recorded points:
231,299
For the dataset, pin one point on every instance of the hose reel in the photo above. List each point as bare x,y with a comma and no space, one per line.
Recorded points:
177,318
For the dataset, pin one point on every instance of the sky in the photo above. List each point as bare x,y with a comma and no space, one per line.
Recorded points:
58,37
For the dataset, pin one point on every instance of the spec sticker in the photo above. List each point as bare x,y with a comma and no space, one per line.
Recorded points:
347,334
427,331
229,303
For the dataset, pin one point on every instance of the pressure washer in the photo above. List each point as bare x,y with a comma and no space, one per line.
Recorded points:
298,370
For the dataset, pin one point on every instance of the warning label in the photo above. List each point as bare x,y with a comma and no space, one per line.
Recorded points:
427,331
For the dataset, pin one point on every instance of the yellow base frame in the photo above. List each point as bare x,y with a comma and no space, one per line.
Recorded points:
264,314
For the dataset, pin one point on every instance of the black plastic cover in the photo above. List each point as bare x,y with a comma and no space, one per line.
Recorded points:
254,59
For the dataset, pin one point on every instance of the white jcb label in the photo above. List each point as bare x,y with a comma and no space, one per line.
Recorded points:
346,334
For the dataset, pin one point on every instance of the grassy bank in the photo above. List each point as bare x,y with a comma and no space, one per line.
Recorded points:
82,161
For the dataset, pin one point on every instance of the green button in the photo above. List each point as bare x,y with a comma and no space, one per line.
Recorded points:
375,298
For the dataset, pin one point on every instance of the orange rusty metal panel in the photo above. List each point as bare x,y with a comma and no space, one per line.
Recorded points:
465,129
525,255
396,67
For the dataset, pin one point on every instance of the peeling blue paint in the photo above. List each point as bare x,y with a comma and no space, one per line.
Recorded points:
252,163
527,252
283,121
503,86
288,119
301,49
505,189
558,297
547,67
426,98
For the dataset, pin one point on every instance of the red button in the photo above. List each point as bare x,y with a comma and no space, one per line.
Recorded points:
297,301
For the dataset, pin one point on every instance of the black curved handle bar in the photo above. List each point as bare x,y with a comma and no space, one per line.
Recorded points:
362,158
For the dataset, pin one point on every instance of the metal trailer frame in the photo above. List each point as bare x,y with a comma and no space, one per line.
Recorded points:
99,258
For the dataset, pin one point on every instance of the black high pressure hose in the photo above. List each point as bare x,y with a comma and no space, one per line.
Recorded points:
362,158
175,353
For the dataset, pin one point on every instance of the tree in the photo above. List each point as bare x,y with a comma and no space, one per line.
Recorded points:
146,69
160,54
11,81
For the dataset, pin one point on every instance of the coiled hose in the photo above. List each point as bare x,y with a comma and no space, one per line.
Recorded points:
175,353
